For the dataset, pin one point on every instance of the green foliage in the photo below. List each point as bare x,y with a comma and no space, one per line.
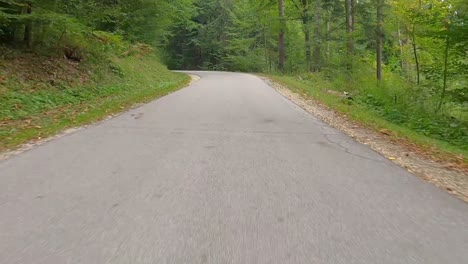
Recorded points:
423,43
424,85
40,25
396,101
29,114
65,63
422,129
248,45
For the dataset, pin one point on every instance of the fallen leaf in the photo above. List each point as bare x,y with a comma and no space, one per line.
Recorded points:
385,132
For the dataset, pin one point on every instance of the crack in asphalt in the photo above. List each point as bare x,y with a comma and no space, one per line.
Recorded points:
346,149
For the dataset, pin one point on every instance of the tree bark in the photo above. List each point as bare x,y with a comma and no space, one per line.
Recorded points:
349,12
265,46
18,32
380,37
305,16
415,49
415,53
28,30
349,8
444,87
308,46
400,45
281,42
327,38
317,56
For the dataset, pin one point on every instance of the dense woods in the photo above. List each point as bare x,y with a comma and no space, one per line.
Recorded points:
73,25
404,60
64,63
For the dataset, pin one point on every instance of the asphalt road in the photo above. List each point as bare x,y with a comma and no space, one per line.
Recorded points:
224,171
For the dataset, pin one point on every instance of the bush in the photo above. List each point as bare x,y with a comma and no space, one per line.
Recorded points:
397,101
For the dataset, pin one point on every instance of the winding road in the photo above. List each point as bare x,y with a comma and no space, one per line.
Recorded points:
223,171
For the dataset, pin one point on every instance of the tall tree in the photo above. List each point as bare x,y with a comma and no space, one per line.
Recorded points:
349,8
28,29
304,7
317,55
379,38
281,39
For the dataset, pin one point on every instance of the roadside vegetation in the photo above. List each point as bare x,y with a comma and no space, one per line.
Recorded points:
69,63
400,65
364,114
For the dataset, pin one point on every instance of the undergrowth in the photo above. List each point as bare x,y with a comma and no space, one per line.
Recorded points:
393,104
37,103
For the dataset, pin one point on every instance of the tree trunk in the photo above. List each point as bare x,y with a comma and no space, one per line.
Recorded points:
349,8
415,52
380,37
415,49
18,30
400,45
308,46
305,13
28,30
317,58
349,12
281,43
444,87
265,45
327,38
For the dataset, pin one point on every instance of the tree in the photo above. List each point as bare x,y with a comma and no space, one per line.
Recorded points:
349,7
281,42
317,55
304,7
249,44
379,37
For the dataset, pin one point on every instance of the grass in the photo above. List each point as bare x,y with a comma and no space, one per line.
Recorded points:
366,115
32,109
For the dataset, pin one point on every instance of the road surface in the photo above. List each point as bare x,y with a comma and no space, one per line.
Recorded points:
224,171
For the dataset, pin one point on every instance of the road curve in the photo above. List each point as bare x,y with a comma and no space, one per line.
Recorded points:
224,171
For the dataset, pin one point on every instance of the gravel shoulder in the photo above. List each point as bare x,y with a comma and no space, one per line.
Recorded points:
440,174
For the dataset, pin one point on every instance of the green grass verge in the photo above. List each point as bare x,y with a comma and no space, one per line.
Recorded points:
437,148
27,115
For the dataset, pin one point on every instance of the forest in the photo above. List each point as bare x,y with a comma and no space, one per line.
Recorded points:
402,61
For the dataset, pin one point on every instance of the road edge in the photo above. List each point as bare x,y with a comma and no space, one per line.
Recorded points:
4,155
453,181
